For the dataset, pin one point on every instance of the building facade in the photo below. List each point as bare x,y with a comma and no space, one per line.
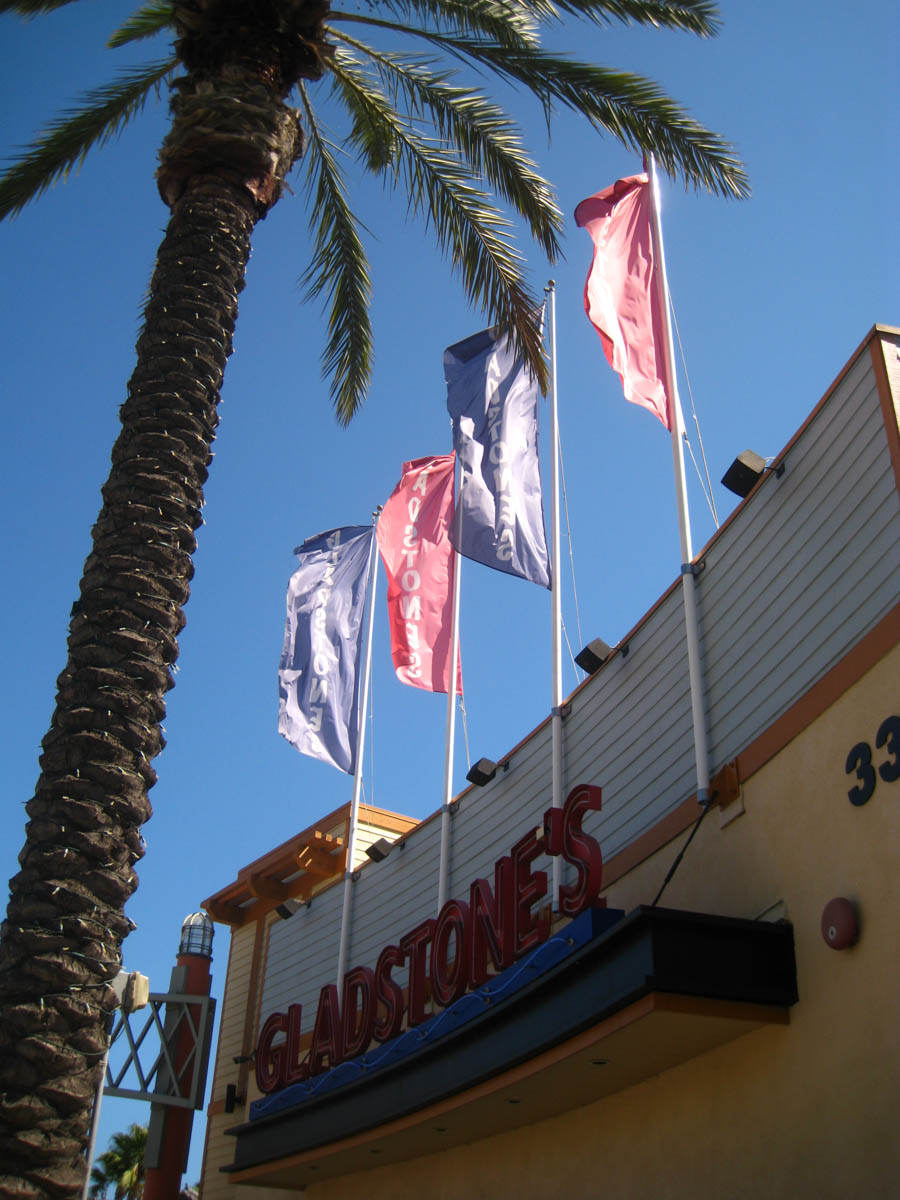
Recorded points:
711,1010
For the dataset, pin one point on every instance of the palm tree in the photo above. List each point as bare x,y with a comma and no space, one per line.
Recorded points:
233,138
121,1167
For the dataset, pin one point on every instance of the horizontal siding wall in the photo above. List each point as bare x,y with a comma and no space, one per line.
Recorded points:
219,1147
630,730
810,567
366,835
489,820
219,1154
232,1014
804,571
302,954
394,895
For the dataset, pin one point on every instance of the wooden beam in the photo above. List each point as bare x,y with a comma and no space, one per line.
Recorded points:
318,862
266,888
302,888
225,913
325,841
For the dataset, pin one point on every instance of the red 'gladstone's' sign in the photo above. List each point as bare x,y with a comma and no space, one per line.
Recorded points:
495,927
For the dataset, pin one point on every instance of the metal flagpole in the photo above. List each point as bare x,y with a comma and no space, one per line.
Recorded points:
676,421
444,874
555,591
357,774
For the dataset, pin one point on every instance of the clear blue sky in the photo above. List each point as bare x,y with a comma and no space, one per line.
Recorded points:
772,296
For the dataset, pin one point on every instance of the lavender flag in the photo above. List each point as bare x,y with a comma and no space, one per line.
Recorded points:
318,692
492,400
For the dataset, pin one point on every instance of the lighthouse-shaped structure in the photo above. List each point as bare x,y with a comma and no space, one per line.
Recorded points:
169,1133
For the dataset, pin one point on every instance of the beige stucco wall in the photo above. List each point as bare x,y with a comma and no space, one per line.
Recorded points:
805,1110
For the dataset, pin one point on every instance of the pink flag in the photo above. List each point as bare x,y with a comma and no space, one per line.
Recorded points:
415,548
620,295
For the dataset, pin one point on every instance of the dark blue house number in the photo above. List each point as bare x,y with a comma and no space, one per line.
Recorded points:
859,760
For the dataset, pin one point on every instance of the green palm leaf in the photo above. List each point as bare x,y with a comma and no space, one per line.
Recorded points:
339,271
122,1165
146,22
486,137
510,22
634,110
468,228
31,8
102,114
693,16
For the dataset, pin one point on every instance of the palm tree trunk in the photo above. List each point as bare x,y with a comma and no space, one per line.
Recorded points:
222,165
61,942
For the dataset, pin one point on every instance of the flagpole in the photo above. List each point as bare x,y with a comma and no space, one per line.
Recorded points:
444,871
676,421
555,593
357,774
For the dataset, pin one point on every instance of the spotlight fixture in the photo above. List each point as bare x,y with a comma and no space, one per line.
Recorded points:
482,772
379,850
287,908
232,1099
594,655
743,474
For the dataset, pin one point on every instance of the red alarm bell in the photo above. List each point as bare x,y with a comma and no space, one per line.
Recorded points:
840,923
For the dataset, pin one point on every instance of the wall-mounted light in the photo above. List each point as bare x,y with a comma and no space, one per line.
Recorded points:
287,908
482,772
743,474
379,850
594,655
232,1099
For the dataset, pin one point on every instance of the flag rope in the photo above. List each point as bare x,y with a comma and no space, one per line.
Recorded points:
571,654
707,486
565,494
465,720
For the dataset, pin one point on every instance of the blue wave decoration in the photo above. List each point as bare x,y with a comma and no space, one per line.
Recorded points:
583,929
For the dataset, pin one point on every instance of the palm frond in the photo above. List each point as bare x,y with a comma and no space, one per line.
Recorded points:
339,272
31,8
468,228
486,137
100,115
693,16
147,22
510,22
633,109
